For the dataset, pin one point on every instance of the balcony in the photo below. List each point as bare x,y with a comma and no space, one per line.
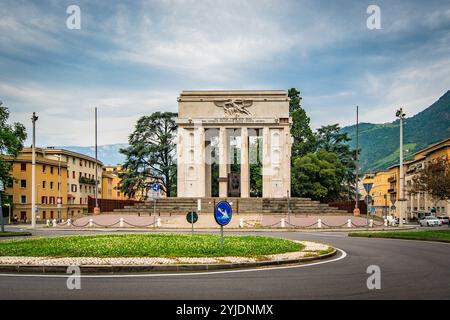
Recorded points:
392,178
84,180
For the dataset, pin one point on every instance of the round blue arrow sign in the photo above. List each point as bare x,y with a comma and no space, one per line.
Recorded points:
222,213
155,187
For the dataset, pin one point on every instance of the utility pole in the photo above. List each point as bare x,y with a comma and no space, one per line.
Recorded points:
96,160
34,118
59,201
356,210
401,116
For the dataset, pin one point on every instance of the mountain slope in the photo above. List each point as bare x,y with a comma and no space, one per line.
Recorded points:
379,143
108,154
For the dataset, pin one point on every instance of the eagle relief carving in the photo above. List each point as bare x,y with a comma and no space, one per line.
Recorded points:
234,107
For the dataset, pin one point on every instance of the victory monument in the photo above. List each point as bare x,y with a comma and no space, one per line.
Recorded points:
228,131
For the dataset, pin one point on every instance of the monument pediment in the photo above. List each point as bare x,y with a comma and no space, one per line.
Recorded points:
235,107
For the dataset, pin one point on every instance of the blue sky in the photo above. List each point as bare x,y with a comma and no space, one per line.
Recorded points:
132,58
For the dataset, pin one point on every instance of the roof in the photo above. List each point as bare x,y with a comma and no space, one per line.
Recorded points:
50,150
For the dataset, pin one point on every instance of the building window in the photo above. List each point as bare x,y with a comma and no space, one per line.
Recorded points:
23,183
44,199
73,174
52,200
51,170
23,199
51,185
81,163
73,161
43,214
44,168
23,167
43,184
74,188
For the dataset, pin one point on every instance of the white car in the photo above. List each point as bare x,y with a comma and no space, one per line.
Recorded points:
430,221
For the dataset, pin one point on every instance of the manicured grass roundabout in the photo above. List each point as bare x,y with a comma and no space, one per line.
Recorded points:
430,235
147,245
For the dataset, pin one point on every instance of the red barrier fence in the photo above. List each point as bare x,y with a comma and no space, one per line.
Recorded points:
349,205
108,205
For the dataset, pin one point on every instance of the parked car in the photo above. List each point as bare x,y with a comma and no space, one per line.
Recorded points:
444,219
430,221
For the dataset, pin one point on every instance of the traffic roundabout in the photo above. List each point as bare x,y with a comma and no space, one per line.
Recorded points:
130,253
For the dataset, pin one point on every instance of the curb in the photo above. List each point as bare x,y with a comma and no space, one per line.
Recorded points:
112,269
232,229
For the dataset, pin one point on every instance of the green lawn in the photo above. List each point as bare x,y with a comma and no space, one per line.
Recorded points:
432,235
14,233
147,245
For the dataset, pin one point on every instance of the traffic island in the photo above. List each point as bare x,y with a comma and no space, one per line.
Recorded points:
101,254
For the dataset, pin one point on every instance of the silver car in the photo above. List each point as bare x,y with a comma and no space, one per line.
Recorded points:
430,221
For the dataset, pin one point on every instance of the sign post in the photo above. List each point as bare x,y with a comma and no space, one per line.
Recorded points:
222,215
368,187
192,218
155,195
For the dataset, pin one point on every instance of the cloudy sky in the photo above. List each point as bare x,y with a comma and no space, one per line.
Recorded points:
132,58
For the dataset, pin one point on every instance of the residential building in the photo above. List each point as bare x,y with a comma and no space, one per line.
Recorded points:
386,185
81,178
51,186
110,183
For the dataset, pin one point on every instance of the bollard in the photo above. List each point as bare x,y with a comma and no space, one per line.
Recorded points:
48,223
158,222
371,223
69,222
349,223
241,222
54,222
385,222
121,223
91,222
283,225
319,223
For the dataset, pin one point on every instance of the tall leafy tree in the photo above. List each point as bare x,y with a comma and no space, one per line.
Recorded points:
317,175
12,137
433,179
332,139
151,155
304,139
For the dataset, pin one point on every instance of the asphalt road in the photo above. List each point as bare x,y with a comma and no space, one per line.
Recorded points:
409,270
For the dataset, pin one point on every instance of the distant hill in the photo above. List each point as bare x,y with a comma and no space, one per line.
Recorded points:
108,154
379,143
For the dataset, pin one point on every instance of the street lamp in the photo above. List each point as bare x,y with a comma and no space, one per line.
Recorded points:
34,118
401,115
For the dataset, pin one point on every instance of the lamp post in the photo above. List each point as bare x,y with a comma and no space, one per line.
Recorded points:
401,115
34,118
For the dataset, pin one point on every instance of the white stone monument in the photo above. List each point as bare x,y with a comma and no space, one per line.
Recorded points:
230,120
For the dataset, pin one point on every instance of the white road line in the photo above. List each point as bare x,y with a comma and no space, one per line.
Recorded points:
342,256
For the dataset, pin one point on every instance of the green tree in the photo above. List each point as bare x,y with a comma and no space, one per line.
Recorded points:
332,139
150,156
433,179
12,137
317,175
303,137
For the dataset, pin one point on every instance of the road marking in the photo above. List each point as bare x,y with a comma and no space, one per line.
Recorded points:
342,256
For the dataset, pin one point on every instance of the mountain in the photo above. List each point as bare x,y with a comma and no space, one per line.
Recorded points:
379,143
108,154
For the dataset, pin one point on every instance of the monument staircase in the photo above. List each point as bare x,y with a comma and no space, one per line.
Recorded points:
174,206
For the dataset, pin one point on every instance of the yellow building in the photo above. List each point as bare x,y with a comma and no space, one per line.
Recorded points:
51,185
386,185
110,183
417,203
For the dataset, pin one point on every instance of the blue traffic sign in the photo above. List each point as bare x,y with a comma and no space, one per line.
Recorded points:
222,213
155,187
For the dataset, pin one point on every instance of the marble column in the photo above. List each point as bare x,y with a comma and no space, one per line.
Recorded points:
245,173
223,163
267,165
201,163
